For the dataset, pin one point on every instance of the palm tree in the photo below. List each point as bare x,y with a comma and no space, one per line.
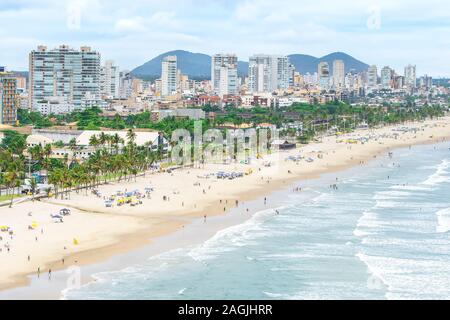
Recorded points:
116,140
48,191
47,151
93,141
33,187
131,136
102,139
12,177
73,147
54,178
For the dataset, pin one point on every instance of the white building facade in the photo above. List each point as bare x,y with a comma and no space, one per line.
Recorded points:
110,80
338,74
386,77
63,72
169,76
410,76
269,72
372,77
224,75
53,105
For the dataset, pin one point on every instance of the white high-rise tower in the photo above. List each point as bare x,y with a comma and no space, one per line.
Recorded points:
338,74
169,76
372,77
410,76
224,77
110,80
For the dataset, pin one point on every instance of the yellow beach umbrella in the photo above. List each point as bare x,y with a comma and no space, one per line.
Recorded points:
75,241
34,225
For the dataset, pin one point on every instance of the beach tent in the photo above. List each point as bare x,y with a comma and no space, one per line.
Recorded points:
4,228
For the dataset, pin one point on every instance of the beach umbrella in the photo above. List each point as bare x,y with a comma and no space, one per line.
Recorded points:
34,224
75,241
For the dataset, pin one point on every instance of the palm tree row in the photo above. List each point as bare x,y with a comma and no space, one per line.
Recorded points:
112,159
11,172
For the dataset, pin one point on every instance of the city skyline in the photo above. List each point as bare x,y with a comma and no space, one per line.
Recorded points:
377,33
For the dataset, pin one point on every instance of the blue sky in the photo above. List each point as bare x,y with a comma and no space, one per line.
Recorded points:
381,32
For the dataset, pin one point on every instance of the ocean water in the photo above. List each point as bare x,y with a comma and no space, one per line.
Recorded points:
384,234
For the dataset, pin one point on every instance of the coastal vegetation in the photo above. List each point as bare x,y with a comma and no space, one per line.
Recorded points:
336,113
113,159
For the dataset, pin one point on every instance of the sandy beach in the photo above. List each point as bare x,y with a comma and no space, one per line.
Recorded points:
94,232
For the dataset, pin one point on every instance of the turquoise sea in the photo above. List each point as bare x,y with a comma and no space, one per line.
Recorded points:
384,234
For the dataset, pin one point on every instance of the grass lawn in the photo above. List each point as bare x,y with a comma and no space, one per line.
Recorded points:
8,197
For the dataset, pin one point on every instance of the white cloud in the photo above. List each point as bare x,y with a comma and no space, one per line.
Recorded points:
136,24
138,30
163,18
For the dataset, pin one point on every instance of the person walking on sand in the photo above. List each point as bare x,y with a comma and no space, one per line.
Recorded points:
49,273
204,218
28,258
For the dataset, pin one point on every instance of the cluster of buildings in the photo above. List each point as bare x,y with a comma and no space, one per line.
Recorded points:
64,79
60,139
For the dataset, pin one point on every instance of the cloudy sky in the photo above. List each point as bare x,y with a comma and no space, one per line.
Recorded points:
381,32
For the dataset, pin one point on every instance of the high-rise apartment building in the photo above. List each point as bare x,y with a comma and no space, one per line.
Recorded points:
372,77
64,72
410,76
399,81
426,82
323,72
259,75
110,80
291,71
387,78
169,76
8,98
228,81
338,74
125,84
224,76
269,72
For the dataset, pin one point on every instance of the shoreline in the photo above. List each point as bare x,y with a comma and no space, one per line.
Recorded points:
149,228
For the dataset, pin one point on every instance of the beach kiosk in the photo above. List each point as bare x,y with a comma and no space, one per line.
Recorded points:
284,145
